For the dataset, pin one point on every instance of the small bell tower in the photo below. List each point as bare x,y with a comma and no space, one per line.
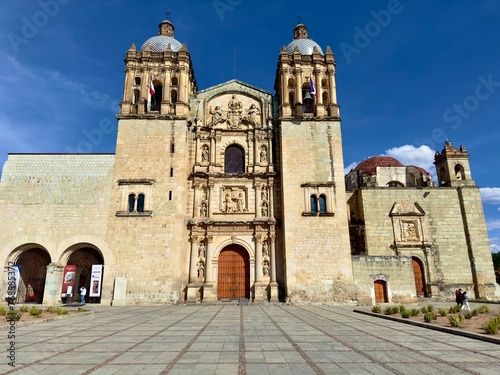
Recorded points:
452,166
159,77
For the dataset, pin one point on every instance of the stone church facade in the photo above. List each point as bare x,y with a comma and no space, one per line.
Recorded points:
232,192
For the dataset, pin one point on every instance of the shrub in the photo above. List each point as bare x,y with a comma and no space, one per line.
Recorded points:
376,309
455,309
81,309
52,309
401,308
484,309
493,326
388,311
395,310
428,317
24,308
468,314
456,320
36,312
415,312
423,309
475,312
13,315
2,311
62,311
430,308
443,312
406,313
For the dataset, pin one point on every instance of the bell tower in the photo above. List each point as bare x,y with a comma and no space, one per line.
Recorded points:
313,197
452,166
305,78
159,77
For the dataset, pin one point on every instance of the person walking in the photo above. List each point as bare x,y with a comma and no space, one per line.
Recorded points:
83,292
465,301
458,296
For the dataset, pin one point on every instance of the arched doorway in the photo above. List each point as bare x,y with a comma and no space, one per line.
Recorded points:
33,264
418,273
380,287
233,280
84,259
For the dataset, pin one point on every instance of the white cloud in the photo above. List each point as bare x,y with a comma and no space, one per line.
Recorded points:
495,245
490,195
493,224
350,166
422,156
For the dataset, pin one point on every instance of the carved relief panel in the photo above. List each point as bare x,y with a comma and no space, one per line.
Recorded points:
234,112
233,199
407,223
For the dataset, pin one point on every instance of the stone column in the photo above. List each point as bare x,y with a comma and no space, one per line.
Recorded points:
212,147
258,258
284,88
298,85
165,100
272,259
210,187
196,212
193,272
333,91
208,269
258,212
271,199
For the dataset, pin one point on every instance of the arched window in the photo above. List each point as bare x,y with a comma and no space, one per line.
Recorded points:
137,80
173,96
291,98
291,82
394,184
459,172
234,159
325,98
322,203
307,99
137,96
140,203
323,82
314,204
131,202
442,176
157,98
174,81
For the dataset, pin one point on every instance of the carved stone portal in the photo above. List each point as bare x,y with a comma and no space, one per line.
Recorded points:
233,199
409,231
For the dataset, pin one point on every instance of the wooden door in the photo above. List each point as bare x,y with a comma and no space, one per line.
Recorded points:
234,273
380,291
418,272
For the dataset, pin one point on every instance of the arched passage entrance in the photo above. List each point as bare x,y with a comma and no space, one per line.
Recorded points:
83,259
380,287
233,280
33,264
418,272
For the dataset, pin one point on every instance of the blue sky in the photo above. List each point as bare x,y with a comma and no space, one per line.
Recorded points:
410,74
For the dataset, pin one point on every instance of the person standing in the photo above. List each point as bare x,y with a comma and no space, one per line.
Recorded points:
83,292
458,296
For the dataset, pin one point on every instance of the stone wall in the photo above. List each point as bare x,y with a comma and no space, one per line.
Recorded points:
316,247
396,271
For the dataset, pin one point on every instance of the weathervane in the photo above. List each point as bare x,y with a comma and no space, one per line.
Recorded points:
299,17
167,14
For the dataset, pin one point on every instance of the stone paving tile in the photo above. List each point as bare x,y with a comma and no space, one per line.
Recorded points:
276,340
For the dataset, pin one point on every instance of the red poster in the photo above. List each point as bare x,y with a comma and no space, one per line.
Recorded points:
68,281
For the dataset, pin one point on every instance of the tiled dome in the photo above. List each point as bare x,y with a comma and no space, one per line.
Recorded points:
159,43
369,166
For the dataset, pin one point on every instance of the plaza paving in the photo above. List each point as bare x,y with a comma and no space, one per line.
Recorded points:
230,339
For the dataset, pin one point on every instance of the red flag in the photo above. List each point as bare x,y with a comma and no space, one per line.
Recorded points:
151,88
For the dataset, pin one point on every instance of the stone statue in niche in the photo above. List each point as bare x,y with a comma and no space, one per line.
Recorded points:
253,115
217,117
263,154
234,114
265,268
201,250
203,209
234,200
201,269
265,249
205,153
264,210
264,195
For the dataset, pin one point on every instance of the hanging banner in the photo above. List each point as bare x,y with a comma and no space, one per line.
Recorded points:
68,281
95,280
13,278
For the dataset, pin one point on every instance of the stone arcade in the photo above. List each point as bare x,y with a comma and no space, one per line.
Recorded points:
232,192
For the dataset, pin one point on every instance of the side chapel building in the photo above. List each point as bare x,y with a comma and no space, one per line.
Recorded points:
232,192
